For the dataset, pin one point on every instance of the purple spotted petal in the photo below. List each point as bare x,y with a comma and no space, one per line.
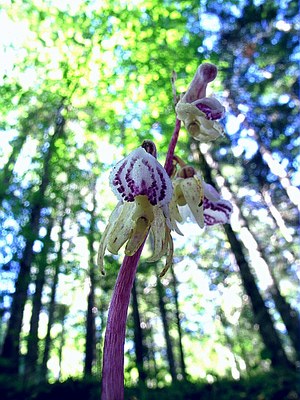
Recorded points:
141,174
211,107
217,212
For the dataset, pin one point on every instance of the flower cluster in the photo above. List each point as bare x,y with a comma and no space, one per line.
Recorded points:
144,190
150,202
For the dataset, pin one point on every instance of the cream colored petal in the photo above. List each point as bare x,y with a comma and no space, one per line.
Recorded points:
175,216
203,129
104,238
102,248
193,193
178,194
170,252
121,228
142,217
137,236
185,110
158,233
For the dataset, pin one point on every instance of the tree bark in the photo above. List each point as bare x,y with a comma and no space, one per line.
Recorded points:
6,175
163,313
52,302
261,312
138,336
90,341
32,341
178,321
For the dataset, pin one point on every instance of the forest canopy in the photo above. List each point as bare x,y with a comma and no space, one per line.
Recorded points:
82,85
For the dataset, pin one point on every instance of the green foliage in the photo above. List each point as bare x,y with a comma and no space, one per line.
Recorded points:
273,386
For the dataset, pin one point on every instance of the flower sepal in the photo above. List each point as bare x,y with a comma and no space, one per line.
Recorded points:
143,217
197,124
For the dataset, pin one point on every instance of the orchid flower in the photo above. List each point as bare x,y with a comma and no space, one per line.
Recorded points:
144,191
199,113
202,199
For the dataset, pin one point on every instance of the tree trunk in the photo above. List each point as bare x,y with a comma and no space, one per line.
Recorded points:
62,311
52,302
138,336
9,166
90,343
163,313
178,321
289,316
10,350
261,312
32,341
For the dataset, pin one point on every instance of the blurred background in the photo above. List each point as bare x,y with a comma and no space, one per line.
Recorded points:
83,83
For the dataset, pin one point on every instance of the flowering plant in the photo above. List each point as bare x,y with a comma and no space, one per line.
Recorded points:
150,200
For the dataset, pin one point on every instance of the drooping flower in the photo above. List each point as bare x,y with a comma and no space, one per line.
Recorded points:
144,191
199,113
202,199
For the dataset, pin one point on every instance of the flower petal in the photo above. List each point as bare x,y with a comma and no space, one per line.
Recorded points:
142,219
193,193
218,212
158,233
196,123
211,107
175,216
121,228
197,89
170,252
141,174
210,192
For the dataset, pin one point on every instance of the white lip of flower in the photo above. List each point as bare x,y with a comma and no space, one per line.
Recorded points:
145,191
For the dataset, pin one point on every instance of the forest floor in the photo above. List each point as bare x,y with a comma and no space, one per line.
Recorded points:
282,385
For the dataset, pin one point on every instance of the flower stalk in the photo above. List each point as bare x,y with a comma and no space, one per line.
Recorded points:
113,352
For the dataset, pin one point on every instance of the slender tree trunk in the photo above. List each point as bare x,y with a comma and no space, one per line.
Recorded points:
10,350
178,320
289,316
229,341
261,312
33,341
90,344
63,313
163,313
6,175
52,302
138,336
151,349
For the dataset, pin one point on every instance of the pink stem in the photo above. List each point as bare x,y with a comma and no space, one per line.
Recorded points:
171,149
113,352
